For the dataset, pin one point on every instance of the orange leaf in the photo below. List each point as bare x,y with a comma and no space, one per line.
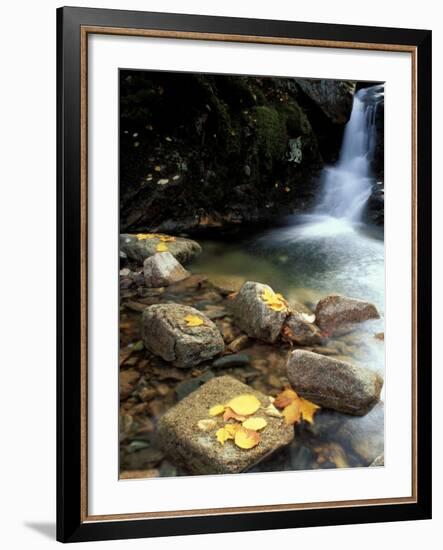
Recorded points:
292,412
308,410
246,439
229,413
285,398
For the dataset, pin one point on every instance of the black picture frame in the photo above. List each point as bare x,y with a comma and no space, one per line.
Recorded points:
71,524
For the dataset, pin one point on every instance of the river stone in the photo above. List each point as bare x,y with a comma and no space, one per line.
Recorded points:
198,451
167,334
337,314
333,384
140,249
162,269
301,331
253,316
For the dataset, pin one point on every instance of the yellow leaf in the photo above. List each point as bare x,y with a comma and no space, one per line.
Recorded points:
222,435
166,238
244,405
255,424
229,413
308,410
292,412
144,236
246,439
193,320
161,247
206,424
284,398
273,300
232,429
216,410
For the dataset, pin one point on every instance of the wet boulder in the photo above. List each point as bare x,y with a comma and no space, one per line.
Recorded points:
338,314
333,384
259,312
162,269
187,433
180,334
139,247
299,329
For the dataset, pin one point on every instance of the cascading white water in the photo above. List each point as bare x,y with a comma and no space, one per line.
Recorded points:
347,185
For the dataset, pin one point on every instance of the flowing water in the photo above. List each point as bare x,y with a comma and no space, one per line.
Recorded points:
327,251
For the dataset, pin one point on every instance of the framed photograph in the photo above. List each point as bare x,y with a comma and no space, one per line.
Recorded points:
244,274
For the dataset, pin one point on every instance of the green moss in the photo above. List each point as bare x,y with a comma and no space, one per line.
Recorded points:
297,122
271,136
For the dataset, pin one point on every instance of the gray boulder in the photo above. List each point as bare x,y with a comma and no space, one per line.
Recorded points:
197,450
337,314
140,247
333,384
180,334
301,331
162,269
253,314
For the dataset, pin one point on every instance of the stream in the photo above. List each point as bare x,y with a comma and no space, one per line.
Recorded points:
330,250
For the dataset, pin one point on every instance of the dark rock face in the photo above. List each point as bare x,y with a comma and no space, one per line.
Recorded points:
338,314
333,97
198,450
169,332
202,152
333,384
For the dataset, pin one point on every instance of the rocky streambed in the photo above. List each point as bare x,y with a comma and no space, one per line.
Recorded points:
189,342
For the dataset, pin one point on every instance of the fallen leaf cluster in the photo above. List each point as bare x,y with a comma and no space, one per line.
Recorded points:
162,238
274,300
245,430
295,408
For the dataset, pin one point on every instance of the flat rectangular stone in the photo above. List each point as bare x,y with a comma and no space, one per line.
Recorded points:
198,451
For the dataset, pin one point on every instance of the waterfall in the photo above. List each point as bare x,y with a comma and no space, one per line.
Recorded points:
347,185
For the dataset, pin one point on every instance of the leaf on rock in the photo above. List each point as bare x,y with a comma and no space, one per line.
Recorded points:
144,236
273,300
255,424
161,247
193,320
229,413
166,239
232,429
246,439
216,410
222,435
245,404
228,431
